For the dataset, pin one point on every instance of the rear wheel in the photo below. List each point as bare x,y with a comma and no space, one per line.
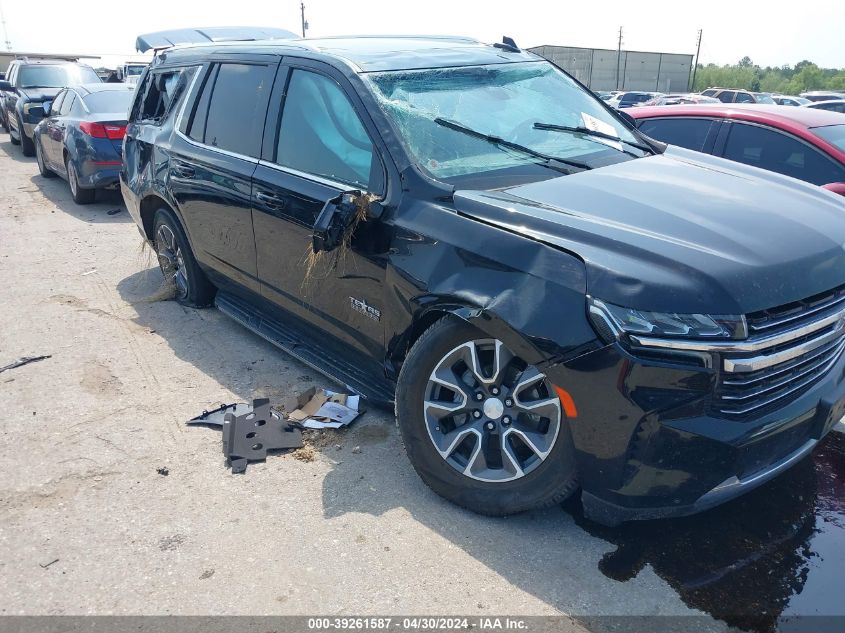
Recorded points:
482,427
80,195
27,146
45,171
177,262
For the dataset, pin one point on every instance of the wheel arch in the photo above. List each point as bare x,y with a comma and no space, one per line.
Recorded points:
489,322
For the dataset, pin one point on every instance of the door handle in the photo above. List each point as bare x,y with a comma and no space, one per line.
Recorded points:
181,170
271,200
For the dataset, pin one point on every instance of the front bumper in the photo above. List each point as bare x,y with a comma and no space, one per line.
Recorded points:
649,445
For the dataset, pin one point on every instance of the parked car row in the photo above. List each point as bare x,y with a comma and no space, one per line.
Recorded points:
805,143
554,301
73,124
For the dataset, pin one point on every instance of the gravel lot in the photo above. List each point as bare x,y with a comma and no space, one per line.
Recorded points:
351,532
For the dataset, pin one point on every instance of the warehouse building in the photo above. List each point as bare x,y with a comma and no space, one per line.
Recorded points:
606,69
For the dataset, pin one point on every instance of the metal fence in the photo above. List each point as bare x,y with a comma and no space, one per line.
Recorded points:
597,68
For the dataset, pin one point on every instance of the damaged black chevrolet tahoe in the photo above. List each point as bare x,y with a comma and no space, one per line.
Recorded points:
554,302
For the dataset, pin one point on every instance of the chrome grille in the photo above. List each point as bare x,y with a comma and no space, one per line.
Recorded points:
785,316
789,349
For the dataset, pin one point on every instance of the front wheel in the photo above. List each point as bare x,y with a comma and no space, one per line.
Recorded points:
177,262
482,427
27,146
45,171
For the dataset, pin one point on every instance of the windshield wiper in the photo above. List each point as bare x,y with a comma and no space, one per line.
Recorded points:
588,132
548,160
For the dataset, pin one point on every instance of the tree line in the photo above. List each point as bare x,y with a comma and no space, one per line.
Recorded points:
791,80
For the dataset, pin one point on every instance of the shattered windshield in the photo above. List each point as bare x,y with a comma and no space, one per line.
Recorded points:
505,101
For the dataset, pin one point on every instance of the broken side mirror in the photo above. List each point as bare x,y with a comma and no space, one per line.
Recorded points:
340,216
835,187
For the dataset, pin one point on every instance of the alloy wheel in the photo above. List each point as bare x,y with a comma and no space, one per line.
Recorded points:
72,178
171,259
490,415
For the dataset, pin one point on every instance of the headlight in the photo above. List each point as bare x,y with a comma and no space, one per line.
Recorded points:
29,106
614,320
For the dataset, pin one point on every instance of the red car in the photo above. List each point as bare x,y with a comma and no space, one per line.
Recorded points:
804,143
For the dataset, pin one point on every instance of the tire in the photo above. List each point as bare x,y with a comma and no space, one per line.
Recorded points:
544,481
80,195
12,139
27,146
177,261
45,171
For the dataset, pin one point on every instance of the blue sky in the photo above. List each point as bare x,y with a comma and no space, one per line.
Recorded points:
761,30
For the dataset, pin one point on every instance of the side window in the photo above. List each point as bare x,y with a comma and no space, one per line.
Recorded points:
726,96
681,131
321,133
775,151
744,97
236,108
57,103
67,103
161,90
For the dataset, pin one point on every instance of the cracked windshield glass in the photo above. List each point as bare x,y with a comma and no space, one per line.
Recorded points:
504,101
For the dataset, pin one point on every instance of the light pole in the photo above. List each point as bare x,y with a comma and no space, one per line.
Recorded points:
304,21
695,65
618,57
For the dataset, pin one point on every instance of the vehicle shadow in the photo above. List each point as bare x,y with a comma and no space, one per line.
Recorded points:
56,190
14,151
107,208
742,563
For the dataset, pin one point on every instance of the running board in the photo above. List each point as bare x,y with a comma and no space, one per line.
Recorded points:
293,342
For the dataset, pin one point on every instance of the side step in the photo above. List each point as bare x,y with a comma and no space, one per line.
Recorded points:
291,340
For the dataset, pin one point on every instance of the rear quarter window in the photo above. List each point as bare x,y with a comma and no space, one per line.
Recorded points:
156,99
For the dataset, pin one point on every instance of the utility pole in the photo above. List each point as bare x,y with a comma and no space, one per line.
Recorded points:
304,21
5,32
695,65
618,57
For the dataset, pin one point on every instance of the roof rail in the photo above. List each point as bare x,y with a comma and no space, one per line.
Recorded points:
181,37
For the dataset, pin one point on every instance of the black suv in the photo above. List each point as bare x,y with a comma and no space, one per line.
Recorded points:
28,86
553,300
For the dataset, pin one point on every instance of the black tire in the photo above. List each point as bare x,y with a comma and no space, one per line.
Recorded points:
80,195
175,255
549,483
45,171
27,146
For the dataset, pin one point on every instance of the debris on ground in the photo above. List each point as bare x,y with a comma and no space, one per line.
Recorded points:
24,361
114,211
322,409
305,454
164,471
52,562
250,431
356,450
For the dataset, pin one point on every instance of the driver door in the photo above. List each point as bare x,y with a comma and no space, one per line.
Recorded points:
317,146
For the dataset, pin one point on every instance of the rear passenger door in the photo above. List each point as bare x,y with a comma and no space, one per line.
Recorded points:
319,145
780,152
213,158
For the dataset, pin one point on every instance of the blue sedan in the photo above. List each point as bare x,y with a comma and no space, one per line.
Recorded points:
81,137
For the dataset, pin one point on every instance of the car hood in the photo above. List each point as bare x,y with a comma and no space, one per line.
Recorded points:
681,231
39,94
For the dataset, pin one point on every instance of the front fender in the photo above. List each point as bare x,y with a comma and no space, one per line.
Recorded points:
529,295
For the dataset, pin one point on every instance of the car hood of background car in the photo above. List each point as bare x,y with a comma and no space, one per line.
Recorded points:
39,94
681,232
